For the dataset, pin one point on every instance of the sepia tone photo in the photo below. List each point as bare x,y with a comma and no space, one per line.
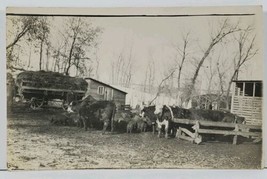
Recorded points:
122,88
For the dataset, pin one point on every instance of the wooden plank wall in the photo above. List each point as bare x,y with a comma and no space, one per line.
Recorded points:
118,97
248,107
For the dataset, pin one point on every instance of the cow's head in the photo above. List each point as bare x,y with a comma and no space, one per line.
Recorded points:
158,109
240,120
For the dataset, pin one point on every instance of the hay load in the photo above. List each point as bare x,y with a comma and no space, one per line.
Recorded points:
48,79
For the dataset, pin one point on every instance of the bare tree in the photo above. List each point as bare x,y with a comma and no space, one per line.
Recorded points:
122,68
181,57
97,59
40,34
246,51
22,27
150,75
224,30
171,72
183,53
79,37
210,72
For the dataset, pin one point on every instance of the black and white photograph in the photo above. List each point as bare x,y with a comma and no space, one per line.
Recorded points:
134,88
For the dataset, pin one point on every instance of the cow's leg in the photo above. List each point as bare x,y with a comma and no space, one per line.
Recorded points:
106,123
159,130
112,126
166,129
153,128
84,123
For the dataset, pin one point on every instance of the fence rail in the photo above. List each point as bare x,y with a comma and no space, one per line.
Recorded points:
217,128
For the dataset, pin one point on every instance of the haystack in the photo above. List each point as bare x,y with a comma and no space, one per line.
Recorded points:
53,80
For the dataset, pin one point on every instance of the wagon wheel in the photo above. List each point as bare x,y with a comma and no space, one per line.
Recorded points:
36,103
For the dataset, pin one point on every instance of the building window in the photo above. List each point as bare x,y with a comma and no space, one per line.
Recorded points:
100,90
258,89
239,89
249,89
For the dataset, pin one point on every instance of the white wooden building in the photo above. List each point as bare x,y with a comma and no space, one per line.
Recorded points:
247,100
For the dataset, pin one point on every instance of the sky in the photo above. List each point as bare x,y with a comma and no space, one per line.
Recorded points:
155,38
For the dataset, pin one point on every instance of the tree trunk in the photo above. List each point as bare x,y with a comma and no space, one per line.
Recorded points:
229,88
47,58
29,60
70,55
41,55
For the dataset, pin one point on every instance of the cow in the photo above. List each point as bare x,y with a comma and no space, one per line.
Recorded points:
215,115
141,126
75,106
95,113
121,119
168,113
131,126
155,115
67,119
233,118
149,114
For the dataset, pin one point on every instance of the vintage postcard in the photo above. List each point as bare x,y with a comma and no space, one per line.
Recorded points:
93,88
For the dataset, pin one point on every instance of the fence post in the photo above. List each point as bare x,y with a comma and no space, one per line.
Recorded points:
235,136
179,133
198,138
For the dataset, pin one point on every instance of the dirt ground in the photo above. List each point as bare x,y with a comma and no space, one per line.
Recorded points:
34,143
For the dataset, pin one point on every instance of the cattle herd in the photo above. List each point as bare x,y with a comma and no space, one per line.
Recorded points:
90,113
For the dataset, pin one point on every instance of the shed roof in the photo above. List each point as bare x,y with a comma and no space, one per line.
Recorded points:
249,81
105,84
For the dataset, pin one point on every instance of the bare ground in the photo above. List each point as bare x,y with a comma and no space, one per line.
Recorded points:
34,143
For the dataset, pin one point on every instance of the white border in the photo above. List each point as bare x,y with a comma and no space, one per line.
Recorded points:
114,173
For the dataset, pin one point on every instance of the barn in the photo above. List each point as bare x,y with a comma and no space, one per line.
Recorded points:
247,100
103,91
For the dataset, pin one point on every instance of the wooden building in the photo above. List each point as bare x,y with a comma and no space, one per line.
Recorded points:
247,100
103,91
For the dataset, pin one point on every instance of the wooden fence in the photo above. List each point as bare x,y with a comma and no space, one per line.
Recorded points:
200,127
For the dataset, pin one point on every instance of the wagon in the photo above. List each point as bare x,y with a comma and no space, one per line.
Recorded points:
40,92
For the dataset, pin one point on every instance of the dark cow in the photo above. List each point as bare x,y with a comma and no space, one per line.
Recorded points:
168,114
67,119
204,114
215,115
95,113
155,115
75,106
121,119
149,114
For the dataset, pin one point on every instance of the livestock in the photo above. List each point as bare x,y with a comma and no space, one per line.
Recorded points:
149,114
141,126
75,106
204,114
168,113
93,113
121,119
65,119
215,115
131,126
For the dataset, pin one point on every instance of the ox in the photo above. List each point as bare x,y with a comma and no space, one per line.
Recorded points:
94,113
149,114
157,115
215,115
